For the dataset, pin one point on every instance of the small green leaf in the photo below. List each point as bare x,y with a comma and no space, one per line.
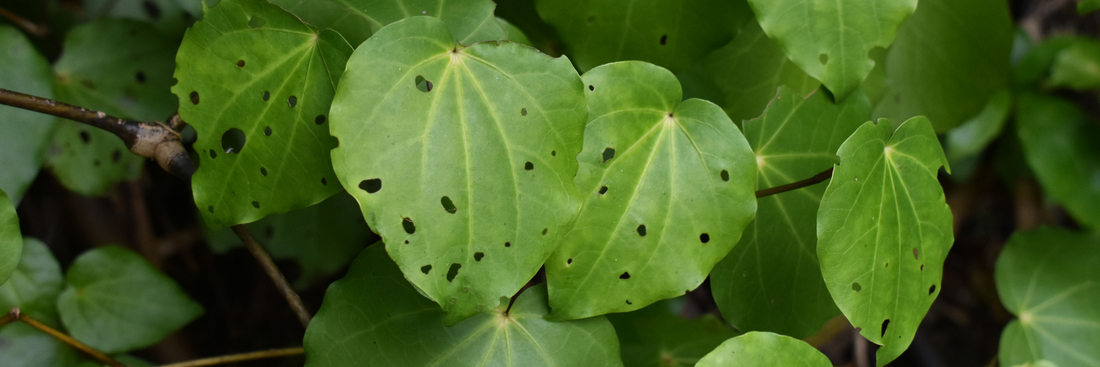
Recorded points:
657,336
831,40
884,229
1077,66
972,137
764,349
375,317
949,58
651,166
114,301
470,21
1059,144
11,241
671,33
1087,6
1050,279
24,346
492,129
35,284
23,134
771,281
261,113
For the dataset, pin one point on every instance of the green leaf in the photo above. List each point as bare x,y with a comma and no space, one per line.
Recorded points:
671,33
89,161
513,33
168,16
1034,65
461,158
750,69
831,40
949,58
522,14
1077,66
651,166
1087,6
972,137
11,241
114,301
1060,147
24,346
23,134
771,281
35,284
764,349
260,112
375,317
332,14
1050,279
884,229
656,336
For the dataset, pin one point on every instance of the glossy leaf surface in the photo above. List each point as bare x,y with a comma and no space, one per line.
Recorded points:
375,317
114,301
11,240
1077,66
1060,147
949,58
23,134
35,284
771,280
884,229
470,21
831,39
461,158
671,33
657,336
1050,279
764,349
256,83
668,188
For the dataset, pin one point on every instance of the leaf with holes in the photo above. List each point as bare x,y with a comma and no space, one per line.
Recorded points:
461,157
35,284
771,281
256,83
657,336
101,290
670,33
1050,279
11,240
884,229
470,21
669,188
1077,66
831,39
764,349
24,134
373,316
949,58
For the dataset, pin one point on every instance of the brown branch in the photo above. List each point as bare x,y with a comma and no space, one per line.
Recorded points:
28,26
239,357
273,272
16,314
797,185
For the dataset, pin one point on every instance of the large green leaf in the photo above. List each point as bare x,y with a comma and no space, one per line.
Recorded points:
256,83
884,229
114,301
11,241
949,58
657,336
461,157
375,317
35,284
1050,279
1077,66
750,69
23,134
764,349
831,39
1059,142
669,188
771,281
670,33
469,20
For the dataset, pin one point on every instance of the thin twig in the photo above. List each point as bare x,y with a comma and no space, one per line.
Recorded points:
797,185
99,356
28,26
10,317
272,271
239,357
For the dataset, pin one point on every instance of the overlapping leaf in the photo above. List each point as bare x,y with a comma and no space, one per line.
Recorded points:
470,21
657,336
24,346
671,33
256,83
23,134
102,289
831,39
970,138
669,188
35,284
1050,279
461,157
1077,66
884,229
168,16
375,317
771,280
11,241
764,349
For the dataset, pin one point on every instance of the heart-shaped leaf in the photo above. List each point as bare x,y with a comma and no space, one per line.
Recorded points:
375,317
23,134
35,284
831,39
884,229
657,336
764,349
470,21
1050,279
771,281
11,240
256,83
461,157
651,166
